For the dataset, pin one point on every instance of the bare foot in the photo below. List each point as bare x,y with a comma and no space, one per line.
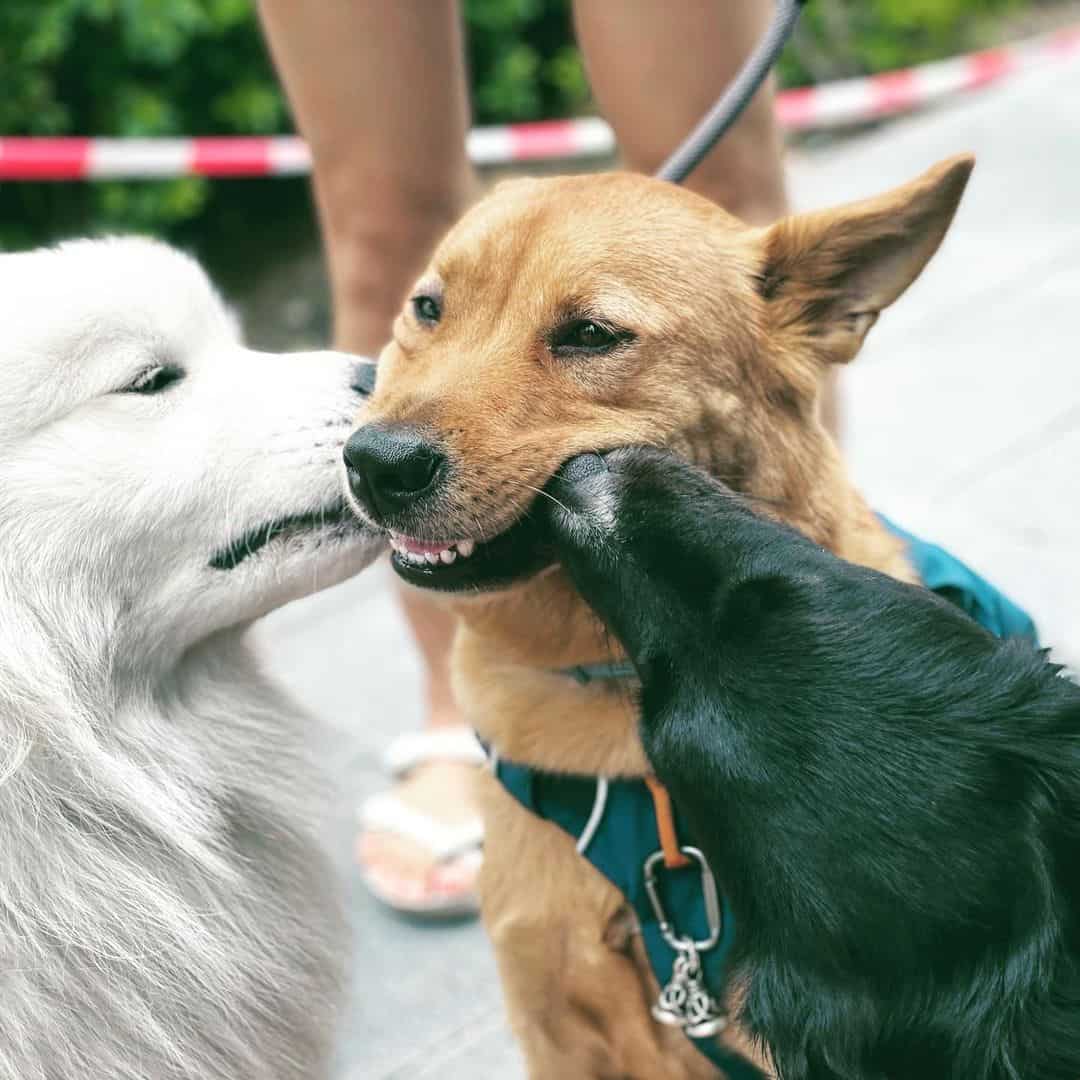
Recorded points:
409,874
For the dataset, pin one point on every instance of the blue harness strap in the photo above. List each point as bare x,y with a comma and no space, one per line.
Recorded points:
626,834
947,576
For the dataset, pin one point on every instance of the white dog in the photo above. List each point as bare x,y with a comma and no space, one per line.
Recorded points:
165,909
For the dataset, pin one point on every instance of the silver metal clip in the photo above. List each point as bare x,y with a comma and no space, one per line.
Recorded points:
685,1000
670,1006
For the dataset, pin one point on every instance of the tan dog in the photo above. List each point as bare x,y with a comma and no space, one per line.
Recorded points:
576,314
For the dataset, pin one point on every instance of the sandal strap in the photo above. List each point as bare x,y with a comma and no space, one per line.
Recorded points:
454,744
386,812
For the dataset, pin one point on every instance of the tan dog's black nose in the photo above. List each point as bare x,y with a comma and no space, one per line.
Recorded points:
391,468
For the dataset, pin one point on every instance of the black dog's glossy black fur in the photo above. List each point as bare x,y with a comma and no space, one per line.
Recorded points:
889,795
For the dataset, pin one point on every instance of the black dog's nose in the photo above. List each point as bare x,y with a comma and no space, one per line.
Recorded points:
390,468
577,481
580,487
363,377
581,468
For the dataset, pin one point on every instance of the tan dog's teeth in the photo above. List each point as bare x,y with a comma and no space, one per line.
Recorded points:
442,557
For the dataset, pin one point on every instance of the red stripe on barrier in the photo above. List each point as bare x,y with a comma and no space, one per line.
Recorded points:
547,138
28,158
229,156
795,108
1063,42
986,67
893,91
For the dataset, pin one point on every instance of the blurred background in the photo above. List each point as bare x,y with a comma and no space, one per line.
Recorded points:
200,67
961,418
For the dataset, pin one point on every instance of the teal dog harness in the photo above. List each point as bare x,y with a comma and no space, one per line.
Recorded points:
687,929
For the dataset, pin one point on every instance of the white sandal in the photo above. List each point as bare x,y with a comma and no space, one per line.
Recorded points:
387,813
458,744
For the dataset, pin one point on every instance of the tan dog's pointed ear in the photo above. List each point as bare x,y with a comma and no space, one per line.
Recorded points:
827,275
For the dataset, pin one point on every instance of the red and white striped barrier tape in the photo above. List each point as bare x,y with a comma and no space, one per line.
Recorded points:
849,101
853,101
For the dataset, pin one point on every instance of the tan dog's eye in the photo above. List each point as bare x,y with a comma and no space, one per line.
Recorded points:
427,309
586,336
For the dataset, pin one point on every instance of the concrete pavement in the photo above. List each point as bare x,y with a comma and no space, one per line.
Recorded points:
962,423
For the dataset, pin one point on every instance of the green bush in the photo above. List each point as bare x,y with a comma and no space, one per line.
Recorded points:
164,67
837,38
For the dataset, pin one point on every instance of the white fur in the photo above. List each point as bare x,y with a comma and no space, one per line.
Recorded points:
165,909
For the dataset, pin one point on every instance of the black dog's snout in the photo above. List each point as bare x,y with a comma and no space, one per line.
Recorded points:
363,377
581,468
578,481
391,468
579,488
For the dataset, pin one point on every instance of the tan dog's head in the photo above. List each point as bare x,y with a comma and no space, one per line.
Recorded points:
581,313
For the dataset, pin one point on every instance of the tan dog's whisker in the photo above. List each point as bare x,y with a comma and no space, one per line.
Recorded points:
539,492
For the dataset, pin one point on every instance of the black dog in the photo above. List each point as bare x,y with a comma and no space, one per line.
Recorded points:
888,794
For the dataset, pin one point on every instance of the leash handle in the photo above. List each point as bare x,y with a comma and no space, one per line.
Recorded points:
736,97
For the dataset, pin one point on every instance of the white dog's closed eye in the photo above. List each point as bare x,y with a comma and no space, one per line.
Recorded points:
154,379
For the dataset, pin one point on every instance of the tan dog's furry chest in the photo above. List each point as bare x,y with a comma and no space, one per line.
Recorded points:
506,668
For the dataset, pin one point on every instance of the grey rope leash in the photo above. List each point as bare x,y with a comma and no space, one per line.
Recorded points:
736,97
